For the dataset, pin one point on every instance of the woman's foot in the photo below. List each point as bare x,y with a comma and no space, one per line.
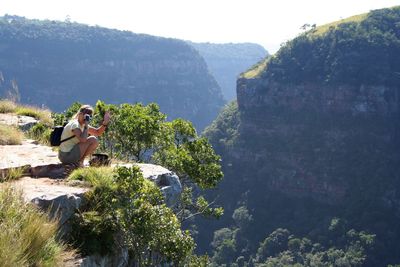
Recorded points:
70,167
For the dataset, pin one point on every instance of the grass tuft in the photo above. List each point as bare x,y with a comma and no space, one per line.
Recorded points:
95,176
28,237
10,135
12,174
7,106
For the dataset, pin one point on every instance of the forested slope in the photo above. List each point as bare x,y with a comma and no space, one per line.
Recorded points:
55,63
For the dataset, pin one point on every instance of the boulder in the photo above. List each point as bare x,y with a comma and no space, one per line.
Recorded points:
53,196
23,122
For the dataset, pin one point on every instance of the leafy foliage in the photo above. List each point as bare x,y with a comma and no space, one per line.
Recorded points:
134,206
127,202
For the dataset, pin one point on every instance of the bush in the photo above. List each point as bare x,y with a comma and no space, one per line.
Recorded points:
125,204
40,132
27,238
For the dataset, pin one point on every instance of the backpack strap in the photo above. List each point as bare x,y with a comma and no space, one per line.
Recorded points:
66,139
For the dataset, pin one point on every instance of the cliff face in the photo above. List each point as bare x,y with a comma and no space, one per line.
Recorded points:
316,134
55,64
227,61
319,141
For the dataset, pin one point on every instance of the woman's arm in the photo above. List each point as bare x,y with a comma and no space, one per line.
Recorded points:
81,135
97,131
100,130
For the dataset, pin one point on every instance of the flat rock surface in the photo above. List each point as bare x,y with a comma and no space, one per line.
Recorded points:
44,187
12,119
28,153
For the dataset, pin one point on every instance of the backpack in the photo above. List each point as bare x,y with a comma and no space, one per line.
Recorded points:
55,136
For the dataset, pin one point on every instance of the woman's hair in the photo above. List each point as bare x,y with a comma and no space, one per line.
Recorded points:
86,109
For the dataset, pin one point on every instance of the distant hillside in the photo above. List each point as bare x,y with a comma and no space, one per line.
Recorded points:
56,63
227,61
313,146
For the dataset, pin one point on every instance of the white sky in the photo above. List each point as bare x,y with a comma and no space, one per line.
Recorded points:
266,22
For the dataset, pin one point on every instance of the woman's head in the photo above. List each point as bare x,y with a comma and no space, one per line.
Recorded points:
83,110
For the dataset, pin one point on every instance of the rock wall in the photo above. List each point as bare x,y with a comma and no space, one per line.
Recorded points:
317,141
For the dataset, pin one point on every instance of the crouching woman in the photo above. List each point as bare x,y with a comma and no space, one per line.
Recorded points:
80,138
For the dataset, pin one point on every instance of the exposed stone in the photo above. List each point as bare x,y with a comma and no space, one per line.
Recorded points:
59,199
23,122
28,153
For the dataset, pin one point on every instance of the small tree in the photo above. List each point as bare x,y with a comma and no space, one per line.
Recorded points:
196,164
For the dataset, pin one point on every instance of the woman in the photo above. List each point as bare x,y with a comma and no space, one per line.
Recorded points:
81,137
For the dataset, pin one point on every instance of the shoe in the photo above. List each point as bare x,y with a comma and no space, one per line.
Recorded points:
70,167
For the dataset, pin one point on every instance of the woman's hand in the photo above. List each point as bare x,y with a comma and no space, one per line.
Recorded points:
107,117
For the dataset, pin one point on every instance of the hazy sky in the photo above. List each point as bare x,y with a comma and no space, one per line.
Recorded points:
266,22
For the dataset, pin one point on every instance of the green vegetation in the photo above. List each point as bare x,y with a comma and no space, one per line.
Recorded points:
359,50
122,200
94,176
10,135
224,131
125,204
27,238
346,247
40,132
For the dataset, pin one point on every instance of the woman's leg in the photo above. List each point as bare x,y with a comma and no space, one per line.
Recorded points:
88,147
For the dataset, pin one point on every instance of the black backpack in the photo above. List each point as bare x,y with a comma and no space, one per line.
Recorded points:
55,136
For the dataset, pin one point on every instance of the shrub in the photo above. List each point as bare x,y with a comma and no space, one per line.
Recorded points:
40,132
28,237
123,202
10,135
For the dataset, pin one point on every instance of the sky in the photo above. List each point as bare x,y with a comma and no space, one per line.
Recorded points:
266,22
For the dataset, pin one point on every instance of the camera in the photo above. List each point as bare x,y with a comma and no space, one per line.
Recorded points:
87,117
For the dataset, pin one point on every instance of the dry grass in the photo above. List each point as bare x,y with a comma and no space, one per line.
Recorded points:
7,106
44,115
320,30
28,237
10,135
254,71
